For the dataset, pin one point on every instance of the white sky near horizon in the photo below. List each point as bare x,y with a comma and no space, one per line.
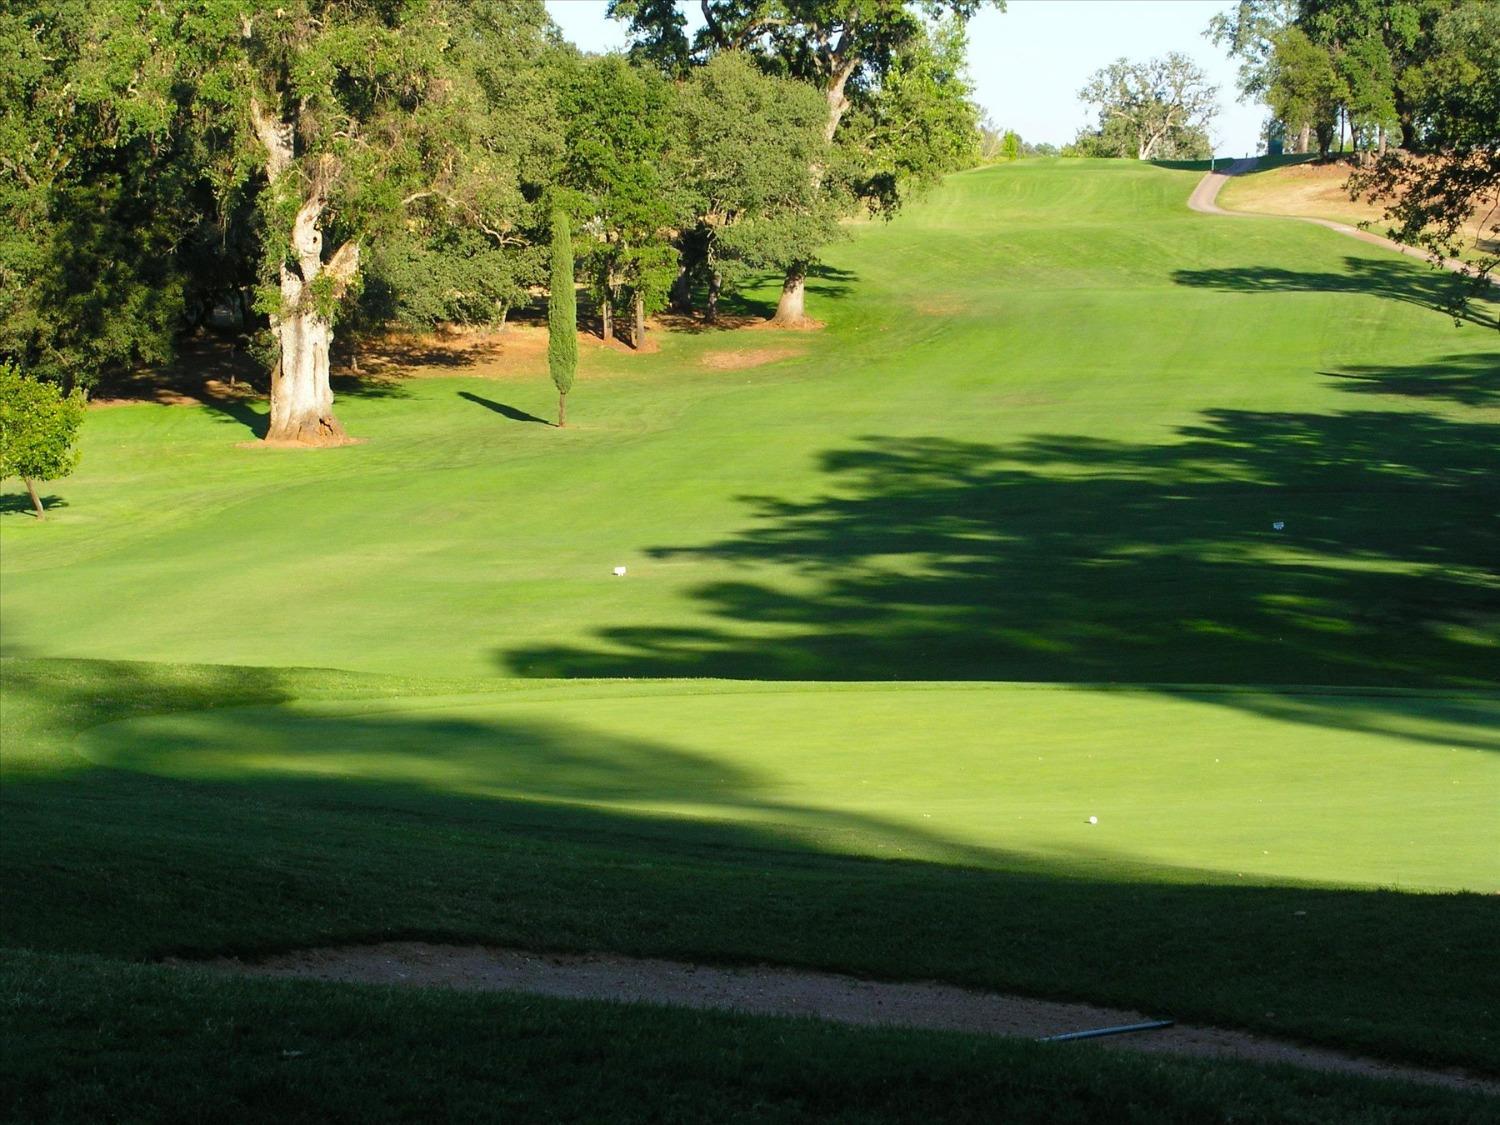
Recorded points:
1029,62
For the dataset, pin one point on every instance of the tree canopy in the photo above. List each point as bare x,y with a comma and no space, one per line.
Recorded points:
1157,109
306,170
881,59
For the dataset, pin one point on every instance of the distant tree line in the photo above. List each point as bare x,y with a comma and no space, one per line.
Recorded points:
998,144
320,168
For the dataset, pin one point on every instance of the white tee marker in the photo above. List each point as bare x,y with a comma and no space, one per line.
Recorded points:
619,572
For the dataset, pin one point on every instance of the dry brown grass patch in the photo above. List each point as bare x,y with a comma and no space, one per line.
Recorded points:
746,357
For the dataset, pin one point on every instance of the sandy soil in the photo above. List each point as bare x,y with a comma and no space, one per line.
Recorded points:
765,990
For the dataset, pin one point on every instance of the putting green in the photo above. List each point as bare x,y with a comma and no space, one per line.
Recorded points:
1186,785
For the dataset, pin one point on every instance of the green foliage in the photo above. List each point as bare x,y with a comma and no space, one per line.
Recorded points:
1376,50
895,99
454,275
1433,202
1304,86
618,129
1158,109
996,144
38,427
919,123
1247,32
1456,86
139,193
466,241
94,195
743,146
562,307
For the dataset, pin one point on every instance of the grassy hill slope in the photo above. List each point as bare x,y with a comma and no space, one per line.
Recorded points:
1045,437
1035,457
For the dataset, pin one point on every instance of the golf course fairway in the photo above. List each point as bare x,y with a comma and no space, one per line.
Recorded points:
1101,605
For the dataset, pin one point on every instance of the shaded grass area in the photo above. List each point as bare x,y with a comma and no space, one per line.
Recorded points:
138,866
145,1043
1186,788
1082,559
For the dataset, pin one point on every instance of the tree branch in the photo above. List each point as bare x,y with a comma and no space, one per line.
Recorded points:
275,137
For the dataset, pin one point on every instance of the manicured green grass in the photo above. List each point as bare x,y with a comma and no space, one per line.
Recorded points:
262,1050
551,834
1044,437
1187,786
1025,480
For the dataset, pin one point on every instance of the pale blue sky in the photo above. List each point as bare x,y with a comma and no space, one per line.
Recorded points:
1029,62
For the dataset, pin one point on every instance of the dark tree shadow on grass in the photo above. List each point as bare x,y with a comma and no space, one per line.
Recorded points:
1072,559
1397,279
216,371
511,412
273,828
1470,380
19,503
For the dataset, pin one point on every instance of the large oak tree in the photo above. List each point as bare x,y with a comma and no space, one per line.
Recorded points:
843,48
316,127
361,115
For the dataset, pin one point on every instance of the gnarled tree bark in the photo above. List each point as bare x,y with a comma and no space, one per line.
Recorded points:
715,287
301,395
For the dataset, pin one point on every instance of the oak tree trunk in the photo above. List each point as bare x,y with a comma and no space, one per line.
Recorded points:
562,411
640,321
1304,138
606,319
682,292
36,501
301,397
715,287
790,310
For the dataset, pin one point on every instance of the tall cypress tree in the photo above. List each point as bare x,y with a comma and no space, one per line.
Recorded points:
562,315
